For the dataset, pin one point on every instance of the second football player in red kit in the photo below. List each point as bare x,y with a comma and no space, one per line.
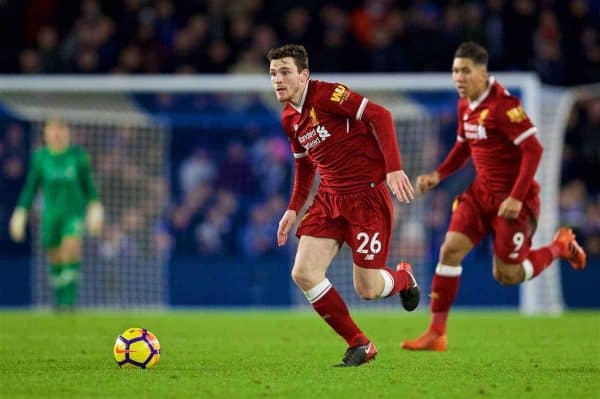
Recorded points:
496,133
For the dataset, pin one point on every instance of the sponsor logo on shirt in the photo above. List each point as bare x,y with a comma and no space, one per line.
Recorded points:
516,114
475,132
314,137
339,95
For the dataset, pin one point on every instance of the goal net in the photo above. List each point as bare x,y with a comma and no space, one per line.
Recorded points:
120,133
125,265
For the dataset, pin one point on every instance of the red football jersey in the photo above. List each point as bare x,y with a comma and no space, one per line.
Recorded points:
493,126
327,127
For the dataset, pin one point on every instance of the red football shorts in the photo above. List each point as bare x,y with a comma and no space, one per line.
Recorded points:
362,219
475,214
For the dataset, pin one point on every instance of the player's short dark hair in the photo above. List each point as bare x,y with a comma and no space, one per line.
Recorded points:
473,51
296,51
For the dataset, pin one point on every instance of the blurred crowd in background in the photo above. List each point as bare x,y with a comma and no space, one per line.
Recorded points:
228,197
228,189
226,194
560,40
580,183
220,197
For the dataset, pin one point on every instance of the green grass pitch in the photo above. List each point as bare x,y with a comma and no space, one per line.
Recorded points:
249,354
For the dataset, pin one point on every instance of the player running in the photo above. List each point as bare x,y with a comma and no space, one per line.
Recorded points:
494,130
351,142
63,171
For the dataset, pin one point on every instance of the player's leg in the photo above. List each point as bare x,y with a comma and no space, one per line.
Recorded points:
56,283
444,288
368,233
51,238
563,246
467,228
70,253
384,282
313,258
515,261
566,247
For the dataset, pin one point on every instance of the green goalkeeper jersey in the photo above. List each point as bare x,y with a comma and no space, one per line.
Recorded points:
66,181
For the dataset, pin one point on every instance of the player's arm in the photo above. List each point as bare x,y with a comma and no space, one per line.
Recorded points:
382,125
515,124
531,154
339,100
18,219
460,152
95,210
86,178
304,176
455,160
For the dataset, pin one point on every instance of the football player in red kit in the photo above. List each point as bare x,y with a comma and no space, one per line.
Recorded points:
351,142
494,130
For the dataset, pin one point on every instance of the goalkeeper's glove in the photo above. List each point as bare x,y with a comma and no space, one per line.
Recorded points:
94,218
17,224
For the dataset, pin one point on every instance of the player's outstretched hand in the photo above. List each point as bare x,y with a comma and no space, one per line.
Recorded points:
94,218
400,185
510,208
427,182
17,224
285,225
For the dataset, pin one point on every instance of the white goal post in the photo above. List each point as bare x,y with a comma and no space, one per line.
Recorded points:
105,99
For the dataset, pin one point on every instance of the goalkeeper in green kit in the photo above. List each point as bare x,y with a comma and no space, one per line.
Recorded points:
63,171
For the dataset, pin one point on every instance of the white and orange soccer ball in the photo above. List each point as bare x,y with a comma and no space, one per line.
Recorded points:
136,348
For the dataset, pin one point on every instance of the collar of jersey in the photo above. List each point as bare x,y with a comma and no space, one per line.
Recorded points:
58,152
299,107
483,96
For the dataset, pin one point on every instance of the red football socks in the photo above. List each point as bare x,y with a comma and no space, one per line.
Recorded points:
540,259
444,289
332,308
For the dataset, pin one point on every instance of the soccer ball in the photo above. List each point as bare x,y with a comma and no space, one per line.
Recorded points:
136,348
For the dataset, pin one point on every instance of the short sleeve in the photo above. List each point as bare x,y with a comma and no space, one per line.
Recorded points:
338,99
512,120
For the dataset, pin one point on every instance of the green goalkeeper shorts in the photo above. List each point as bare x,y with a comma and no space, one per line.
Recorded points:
56,229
